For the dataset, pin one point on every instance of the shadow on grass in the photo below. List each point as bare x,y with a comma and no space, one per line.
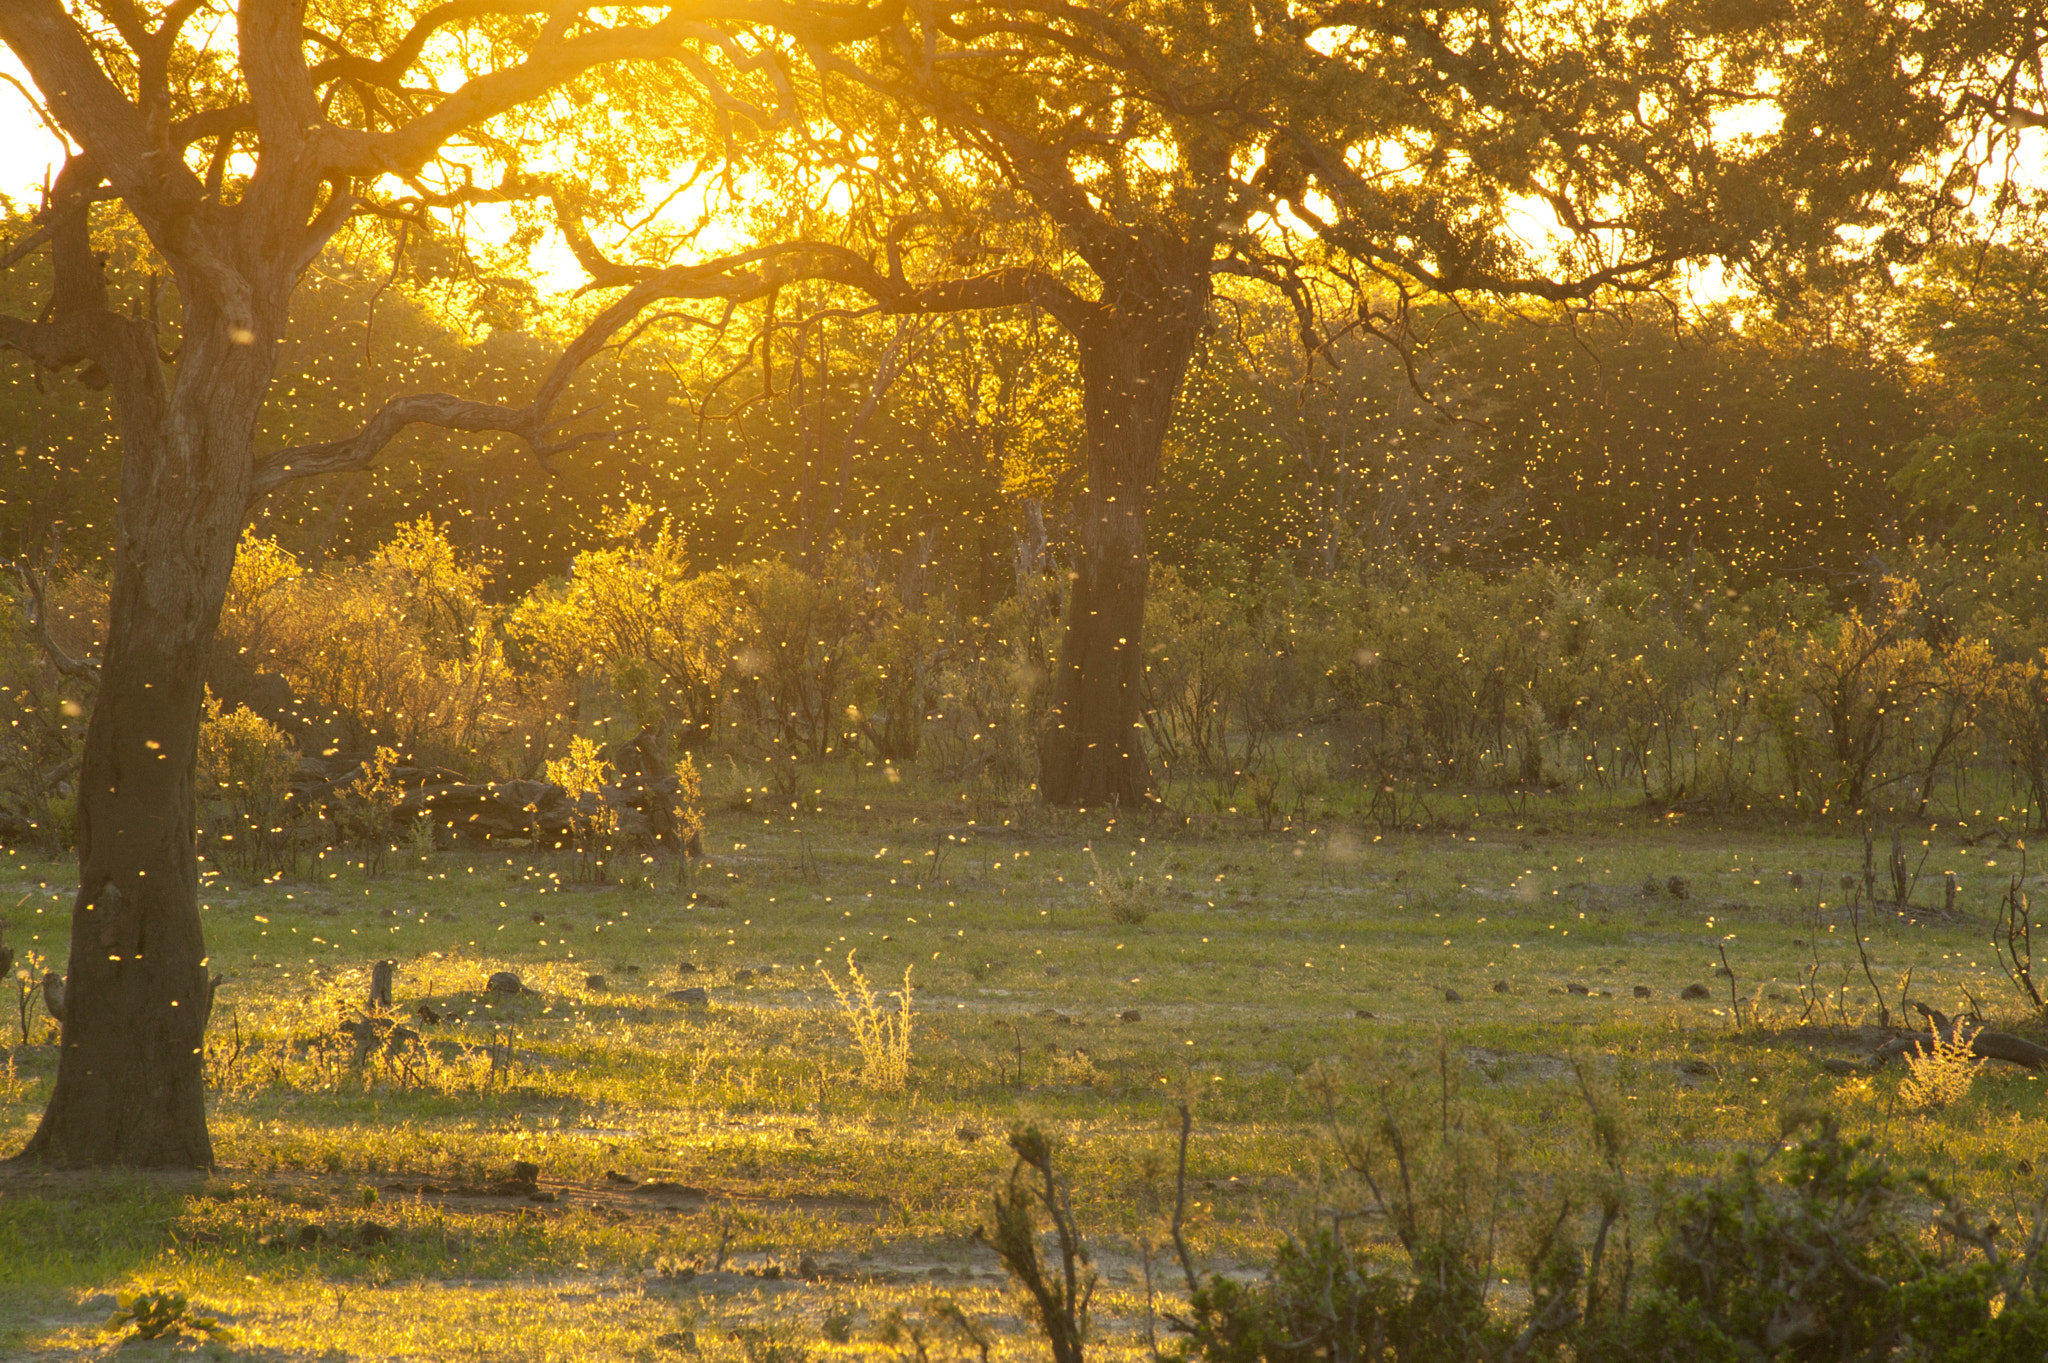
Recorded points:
65,1237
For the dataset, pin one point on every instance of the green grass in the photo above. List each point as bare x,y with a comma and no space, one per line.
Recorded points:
1247,985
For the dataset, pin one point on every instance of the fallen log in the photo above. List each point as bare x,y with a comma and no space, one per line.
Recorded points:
2014,1050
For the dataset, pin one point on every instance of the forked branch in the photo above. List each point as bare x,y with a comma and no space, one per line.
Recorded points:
32,581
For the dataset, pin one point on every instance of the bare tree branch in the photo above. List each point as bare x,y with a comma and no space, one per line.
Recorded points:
80,669
92,109
388,71
737,279
79,327
403,150
42,114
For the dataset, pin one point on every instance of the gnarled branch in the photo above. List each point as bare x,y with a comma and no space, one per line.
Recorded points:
736,279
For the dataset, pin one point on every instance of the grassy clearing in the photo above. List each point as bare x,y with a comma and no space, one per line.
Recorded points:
775,1204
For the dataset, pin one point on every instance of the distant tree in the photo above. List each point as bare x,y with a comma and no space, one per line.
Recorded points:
1977,316
1106,165
1767,446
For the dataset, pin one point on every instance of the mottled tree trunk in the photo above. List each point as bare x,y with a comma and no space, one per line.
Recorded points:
129,1085
1133,359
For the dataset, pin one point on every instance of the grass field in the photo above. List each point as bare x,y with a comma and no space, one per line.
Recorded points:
717,1179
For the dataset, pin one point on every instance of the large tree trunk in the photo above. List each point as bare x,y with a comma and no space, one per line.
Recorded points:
129,1085
1133,359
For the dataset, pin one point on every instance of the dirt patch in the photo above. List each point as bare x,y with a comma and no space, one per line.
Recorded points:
1517,1067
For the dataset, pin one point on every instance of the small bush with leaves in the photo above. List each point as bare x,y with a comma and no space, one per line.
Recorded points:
28,989
1060,1294
633,617
1814,1250
364,807
1322,1300
583,773
770,1344
687,809
246,765
399,649
161,1313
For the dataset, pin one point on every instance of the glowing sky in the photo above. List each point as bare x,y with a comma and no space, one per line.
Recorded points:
27,148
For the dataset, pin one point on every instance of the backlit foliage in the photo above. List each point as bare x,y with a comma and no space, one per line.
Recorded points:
1265,689
1940,1073
881,1037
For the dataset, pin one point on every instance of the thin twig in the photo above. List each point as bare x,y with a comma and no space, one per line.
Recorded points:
1734,1005
1180,1201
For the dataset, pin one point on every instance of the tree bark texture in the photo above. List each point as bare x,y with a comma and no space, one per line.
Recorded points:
129,1085
1134,356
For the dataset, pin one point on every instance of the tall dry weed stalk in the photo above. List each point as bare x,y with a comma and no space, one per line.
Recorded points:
883,1038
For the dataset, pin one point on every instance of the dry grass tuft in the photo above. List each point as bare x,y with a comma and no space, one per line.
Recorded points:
1128,896
883,1038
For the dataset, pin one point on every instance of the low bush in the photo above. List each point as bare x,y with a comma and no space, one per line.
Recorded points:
1813,1248
1671,685
882,1037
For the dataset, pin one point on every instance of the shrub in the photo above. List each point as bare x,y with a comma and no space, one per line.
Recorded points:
1060,1298
2017,700
1659,681
1939,1074
991,694
400,650
1811,1251
636,618
895,683
1196,647
363,807
1127,895
164,1314
800,655
246,765
688,807
582,774
1866,678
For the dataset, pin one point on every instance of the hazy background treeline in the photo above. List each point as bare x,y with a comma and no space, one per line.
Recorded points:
1699,556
